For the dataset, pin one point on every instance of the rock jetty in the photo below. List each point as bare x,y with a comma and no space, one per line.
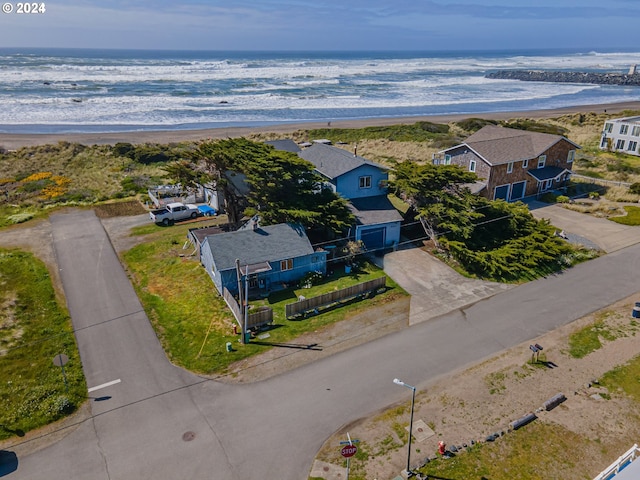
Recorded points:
567,77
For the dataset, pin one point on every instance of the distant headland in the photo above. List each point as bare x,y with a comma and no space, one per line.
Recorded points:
632,78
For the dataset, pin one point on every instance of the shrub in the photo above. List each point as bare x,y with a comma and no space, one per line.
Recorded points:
562,199
594,195
635,188
549,198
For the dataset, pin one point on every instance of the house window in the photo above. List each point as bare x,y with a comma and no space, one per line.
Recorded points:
636,131
286,264
620,144
365,182
472,166
447,159
571,156
509,167
525,163
605,142
541,161
633,146
608,127
624,129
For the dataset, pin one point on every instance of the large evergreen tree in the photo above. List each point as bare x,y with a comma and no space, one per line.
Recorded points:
490,239
439,196
286,188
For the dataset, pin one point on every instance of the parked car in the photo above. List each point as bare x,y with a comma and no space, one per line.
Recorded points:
173,212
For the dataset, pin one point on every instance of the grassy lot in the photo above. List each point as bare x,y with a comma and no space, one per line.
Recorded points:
536,451
34,328
192,320
531,452
590,338
631,218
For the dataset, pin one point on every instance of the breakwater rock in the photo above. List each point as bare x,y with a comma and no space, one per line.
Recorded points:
567,77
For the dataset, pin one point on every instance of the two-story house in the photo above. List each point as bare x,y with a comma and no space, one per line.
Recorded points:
364,184
512,164
621,135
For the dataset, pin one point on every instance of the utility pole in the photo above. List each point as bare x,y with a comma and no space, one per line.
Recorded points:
240,298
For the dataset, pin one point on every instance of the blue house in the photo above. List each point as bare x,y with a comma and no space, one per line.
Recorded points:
272,256
364,184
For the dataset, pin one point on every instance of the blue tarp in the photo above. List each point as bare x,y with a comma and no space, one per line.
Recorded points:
207,211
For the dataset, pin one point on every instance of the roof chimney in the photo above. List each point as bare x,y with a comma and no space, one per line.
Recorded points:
355,150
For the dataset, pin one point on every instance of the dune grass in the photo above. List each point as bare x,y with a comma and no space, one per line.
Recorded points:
34,328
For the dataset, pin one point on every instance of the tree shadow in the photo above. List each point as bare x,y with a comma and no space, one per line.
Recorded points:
8,462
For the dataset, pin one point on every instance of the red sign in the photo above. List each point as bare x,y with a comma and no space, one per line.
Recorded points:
348,451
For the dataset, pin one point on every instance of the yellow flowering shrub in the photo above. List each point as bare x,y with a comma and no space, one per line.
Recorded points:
38,176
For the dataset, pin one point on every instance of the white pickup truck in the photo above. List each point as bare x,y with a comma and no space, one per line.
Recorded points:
173,212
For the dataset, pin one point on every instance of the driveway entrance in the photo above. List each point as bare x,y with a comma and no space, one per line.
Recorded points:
609,236
435,288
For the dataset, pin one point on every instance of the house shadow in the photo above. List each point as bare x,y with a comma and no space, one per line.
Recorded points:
8,462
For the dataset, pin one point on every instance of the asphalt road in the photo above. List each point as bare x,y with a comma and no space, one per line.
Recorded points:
270,429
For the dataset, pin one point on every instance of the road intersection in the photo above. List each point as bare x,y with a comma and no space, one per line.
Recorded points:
159,422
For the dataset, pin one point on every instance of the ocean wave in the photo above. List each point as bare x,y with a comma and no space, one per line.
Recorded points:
61,90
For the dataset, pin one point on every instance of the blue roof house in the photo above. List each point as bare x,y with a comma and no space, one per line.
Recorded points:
272,256
364,184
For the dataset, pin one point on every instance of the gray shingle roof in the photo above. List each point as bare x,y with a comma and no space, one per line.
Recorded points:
333,161
547,173
499,145
374,210
265,244
285,144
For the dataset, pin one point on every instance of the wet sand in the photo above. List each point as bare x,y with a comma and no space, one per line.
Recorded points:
12,141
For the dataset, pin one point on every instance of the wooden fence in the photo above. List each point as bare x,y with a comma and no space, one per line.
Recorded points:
322,301
261,316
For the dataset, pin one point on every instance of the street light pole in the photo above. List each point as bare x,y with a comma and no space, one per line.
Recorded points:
397,381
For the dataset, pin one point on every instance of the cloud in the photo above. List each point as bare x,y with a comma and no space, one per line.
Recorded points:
330,24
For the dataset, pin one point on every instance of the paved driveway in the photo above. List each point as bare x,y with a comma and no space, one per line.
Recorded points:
609,236
435,288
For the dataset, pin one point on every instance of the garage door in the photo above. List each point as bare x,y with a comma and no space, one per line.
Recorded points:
501,193
517,190
373,238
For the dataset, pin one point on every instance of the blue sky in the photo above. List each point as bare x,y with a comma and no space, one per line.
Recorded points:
327,24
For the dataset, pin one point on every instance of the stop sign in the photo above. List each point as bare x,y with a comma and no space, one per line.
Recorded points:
348,451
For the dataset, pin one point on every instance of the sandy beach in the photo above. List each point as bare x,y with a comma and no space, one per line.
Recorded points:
11,141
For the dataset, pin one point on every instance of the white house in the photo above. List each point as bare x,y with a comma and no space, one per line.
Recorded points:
621,135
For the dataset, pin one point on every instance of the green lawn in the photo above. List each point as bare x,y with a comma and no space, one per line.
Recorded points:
34,328
631,218
192,320
538,450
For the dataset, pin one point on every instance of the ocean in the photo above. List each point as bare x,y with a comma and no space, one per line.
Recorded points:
68,90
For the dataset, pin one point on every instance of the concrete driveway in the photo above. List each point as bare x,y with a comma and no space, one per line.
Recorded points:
609,236
435,288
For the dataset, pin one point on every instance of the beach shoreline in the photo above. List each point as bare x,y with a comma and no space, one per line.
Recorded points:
12,141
